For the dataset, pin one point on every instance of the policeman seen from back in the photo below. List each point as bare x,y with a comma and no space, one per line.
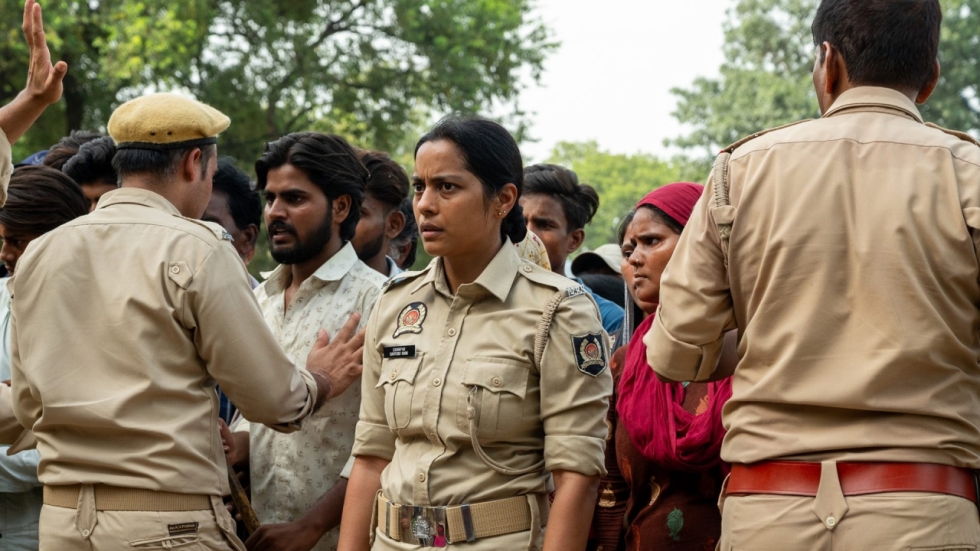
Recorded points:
484,373
845,250
127,428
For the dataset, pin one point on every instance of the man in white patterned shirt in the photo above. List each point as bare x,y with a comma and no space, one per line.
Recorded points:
313,186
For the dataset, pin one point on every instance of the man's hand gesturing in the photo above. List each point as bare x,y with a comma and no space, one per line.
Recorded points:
339,360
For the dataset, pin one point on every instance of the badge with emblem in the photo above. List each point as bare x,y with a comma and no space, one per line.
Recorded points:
410,319
590,353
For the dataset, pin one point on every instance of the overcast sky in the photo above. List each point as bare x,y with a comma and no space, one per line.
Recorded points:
610,80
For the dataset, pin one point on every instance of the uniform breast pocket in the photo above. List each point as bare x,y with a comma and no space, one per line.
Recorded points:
495,389
398,381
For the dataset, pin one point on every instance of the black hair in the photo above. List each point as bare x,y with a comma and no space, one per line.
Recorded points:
578,201
161,164
609,287
93,163
41,198
892,43
663,218
387,181
410,233
328,161
490,153
624,225
67,147
236,186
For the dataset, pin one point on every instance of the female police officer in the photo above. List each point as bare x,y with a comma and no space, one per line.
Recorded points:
482,374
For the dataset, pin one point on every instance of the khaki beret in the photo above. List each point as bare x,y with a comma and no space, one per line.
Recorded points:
165,121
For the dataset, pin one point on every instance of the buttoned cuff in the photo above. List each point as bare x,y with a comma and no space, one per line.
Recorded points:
308,408
580,454
374,440
5,166
680,361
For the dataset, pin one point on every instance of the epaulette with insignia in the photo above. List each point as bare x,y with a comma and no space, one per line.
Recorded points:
399,279
575,291
751,137
961,135
216,229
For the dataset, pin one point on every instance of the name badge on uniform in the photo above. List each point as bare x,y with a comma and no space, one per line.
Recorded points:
407,351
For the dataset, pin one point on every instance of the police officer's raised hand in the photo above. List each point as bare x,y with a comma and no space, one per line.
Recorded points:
338,359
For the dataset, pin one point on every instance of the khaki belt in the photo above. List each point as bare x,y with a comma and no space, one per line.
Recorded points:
114,498
441,526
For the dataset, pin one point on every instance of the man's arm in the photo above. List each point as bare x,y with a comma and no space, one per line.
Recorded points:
304,533
44,80
685,341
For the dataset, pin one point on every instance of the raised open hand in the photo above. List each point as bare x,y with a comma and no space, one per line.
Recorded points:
44,80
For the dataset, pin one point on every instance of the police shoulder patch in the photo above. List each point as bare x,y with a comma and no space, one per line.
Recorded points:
590,353
575,291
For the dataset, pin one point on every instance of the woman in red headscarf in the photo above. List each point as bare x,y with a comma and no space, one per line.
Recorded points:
665,472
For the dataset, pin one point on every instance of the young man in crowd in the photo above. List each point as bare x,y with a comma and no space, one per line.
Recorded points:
314,188
91,168
557,208
236,207
381,218
39,200
405,245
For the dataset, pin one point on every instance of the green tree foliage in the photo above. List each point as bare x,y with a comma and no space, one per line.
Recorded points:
113,49
765,80
368,69
620,180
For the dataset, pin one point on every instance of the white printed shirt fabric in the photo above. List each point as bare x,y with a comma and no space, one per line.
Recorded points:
290,472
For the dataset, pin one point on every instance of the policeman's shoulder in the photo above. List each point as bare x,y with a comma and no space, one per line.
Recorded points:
546,278
955,133
209,231
756,135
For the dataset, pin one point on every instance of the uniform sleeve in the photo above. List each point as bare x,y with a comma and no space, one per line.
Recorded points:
5,166
373,437
685,341
239,349
574,392
10,428
26,406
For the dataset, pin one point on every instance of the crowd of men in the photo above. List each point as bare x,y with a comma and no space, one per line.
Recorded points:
143,364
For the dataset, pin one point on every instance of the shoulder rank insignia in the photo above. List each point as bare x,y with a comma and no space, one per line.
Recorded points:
575,291
590,353
410,319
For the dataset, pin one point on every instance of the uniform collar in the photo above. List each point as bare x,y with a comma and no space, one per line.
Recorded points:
864,98
497,278
334,269
137,196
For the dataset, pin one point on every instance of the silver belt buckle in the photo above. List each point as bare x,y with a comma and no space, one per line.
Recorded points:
427,526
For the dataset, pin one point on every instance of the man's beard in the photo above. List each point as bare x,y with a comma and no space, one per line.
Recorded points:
303,250
372,248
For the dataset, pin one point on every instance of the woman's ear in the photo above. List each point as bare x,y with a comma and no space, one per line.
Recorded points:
506,198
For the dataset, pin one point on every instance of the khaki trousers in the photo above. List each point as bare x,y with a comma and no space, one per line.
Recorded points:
906,521
84,528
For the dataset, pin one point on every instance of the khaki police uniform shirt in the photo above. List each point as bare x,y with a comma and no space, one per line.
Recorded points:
290,472
122,322
413,404
10,429
853,281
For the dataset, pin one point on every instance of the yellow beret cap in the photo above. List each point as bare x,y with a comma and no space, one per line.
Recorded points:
165,121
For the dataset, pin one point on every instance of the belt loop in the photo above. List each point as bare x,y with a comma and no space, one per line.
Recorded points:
374,519
86,516
464,510
535,531
829,504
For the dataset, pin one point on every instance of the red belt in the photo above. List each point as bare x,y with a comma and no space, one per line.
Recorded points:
802,479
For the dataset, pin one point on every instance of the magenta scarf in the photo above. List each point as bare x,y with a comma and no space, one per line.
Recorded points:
651,410
658,426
